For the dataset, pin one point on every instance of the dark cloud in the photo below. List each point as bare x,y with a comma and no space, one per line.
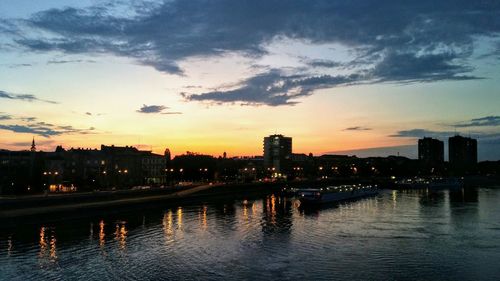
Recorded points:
69,61
5,117
152,108
409,151
40,128
391,40
37,130
480,122
23,97
45,131
17,65
323,63
409,67
27,119
420,133
357,128
273,88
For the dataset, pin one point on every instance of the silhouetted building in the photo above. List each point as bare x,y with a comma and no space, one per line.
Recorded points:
430,151
33,146
277,153
462,153
167,154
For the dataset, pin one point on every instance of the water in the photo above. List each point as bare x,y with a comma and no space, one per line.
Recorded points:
398,235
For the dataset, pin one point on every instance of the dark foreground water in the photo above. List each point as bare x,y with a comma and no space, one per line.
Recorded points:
398,235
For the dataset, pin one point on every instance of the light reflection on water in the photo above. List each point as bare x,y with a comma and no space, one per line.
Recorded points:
398,235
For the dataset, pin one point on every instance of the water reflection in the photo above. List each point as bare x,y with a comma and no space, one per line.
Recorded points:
91,235
203,217
429,198
102,234
464,195
179,218
464,207
42,242
394,196
167,226
276,215
121,235
9,246
48,247
245,209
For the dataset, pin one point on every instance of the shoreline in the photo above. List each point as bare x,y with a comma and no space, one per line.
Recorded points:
45,208
53,208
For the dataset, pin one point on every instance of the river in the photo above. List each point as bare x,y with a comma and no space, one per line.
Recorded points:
397,235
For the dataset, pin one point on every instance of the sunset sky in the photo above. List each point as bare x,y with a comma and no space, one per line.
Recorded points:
215,76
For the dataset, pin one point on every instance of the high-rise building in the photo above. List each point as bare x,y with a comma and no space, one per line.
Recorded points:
463,152
430,151
277,153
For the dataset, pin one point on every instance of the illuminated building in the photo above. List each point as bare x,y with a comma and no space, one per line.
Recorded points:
277,153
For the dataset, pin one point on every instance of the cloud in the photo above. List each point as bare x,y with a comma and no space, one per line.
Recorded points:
420,133
152,108
357,128
273,88
323,63
69,61
480,122
156,109
5,117
409,151
40,128
45,131
23,97
17,65
410,67
389,41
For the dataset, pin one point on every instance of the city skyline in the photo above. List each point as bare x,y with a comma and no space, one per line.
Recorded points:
408,151
210,79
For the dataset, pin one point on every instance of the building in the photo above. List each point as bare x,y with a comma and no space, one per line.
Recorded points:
277,153
462,153
430,151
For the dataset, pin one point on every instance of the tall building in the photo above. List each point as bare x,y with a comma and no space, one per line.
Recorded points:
277,153
463,152
430,151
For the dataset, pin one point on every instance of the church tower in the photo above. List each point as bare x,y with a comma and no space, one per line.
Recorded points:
33,146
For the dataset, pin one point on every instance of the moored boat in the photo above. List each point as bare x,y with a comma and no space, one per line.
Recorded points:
446,183
333,194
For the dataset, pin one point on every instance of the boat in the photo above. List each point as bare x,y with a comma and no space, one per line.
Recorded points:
412,183
434,183
332,194
445,183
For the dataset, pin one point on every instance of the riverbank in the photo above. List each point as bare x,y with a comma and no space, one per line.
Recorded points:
60,206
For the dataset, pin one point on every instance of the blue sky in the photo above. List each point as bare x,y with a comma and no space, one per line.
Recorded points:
214,76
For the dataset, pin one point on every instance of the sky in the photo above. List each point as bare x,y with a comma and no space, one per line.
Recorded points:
358,77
